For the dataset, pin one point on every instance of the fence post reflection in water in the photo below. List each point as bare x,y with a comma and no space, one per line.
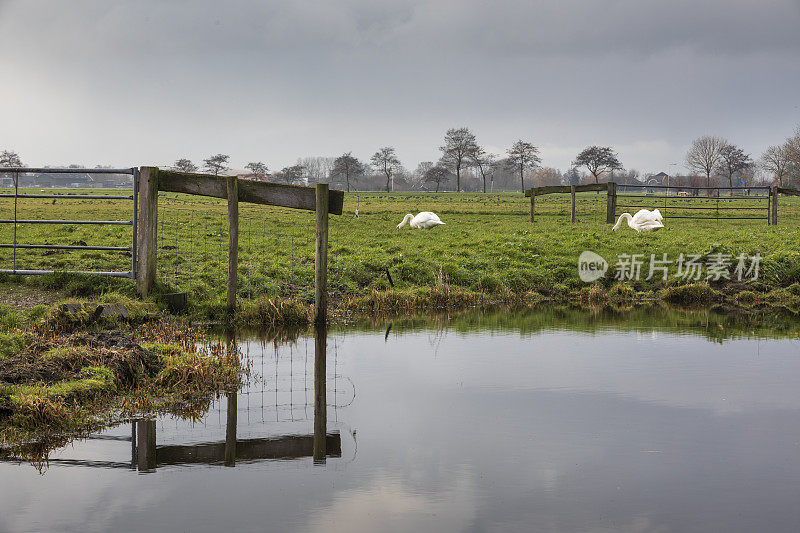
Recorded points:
320,405
146,445
230,422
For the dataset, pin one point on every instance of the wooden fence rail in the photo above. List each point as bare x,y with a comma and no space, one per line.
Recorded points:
234,190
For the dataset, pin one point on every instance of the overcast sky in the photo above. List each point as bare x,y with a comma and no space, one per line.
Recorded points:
135,82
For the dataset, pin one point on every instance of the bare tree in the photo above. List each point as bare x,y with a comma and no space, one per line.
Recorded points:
598,160
184,165
437,174
484,162
705,155
317,167
546,176
459,146
733,160
258,170
386,161
572,177
9,158
792,146
216,163
348,168
776,161
292,174
523,156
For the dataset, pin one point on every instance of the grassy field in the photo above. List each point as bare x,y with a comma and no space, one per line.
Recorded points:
488,249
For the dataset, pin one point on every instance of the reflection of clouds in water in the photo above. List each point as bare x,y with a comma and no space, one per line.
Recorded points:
674,370
389,504
76,499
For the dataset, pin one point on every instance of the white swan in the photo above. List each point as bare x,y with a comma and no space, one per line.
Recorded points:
424,220
643,220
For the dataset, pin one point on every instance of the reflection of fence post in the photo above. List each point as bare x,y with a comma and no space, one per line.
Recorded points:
611,202
231,412
321,260
320,397
774,205
533,203
572,203
146,445
233,241
146,229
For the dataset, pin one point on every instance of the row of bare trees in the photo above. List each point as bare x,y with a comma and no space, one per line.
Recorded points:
782,161
711,156
474,167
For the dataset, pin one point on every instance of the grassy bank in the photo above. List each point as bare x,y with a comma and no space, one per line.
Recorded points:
487,252
62,375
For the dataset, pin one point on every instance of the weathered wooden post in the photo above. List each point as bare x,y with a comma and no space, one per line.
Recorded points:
233,241
320,396
321,260
774,205
533,203
146,230
611,202
572,203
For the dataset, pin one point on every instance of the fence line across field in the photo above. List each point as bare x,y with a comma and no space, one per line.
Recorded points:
148,182
675,206
318,199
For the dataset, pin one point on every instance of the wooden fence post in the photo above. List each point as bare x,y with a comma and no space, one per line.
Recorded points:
533,203
233,241
774,205
572,203
146,230
611,202
321,260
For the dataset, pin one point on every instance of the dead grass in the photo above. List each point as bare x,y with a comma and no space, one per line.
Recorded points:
73,383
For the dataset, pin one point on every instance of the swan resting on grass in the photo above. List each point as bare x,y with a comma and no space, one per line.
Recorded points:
424,220
643,220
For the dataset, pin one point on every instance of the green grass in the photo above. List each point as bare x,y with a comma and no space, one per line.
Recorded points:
487,250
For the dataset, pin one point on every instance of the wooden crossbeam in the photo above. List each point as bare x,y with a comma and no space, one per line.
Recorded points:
255,192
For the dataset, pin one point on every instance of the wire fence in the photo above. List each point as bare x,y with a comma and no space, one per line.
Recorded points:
276,247
589,206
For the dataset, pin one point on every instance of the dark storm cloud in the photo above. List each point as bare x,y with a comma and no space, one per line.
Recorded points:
298,78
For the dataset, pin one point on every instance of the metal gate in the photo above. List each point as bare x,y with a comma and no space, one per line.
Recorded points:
676,201
18,196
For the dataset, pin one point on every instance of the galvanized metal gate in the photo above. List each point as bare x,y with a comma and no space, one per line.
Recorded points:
17,196
678,201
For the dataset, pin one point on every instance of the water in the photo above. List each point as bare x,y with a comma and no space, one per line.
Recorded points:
555,422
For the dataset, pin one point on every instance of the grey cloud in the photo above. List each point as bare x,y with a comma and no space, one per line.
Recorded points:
294,78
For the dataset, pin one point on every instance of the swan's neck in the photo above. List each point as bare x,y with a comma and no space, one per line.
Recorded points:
406,219
619,220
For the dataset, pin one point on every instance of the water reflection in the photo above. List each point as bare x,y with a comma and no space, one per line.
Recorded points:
320,396
321,444
556,421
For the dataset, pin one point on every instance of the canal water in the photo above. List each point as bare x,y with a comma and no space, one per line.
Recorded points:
557,422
